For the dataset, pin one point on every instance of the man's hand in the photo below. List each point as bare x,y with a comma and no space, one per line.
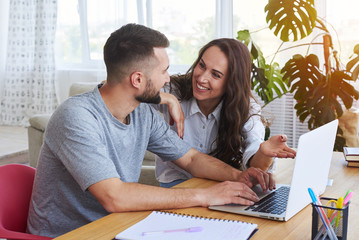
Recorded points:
175,111
253,176
228,192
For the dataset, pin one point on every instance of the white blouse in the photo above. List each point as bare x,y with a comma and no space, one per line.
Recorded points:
201,132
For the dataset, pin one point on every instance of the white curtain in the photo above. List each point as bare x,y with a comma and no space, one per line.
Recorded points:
4,20
29,85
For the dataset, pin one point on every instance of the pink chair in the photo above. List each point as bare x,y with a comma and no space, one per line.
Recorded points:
16,182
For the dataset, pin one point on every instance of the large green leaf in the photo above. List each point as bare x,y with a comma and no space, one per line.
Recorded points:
303,74
266,80
353,64
275,77
244,36
341,88
259,83
268,83
256,54
318,95
291,18
340,141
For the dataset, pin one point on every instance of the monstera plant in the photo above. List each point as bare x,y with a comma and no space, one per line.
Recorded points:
320,92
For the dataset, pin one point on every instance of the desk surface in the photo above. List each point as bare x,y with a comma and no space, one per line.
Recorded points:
298,227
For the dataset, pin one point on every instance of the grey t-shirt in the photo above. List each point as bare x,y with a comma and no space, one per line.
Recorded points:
83,145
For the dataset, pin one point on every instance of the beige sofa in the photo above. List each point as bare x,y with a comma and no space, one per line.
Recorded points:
38,125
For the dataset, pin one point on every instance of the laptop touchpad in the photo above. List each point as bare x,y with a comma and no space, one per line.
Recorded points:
258,190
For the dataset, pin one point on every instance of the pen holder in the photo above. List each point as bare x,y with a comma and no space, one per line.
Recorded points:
340,229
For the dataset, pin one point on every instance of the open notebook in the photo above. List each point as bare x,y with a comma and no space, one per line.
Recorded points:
311,169
164,226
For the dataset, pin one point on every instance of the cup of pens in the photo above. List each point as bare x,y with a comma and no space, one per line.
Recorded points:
330,217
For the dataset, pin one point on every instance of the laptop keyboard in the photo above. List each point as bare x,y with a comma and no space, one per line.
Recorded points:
275,202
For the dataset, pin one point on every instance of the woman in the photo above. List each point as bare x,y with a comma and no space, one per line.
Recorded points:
221,116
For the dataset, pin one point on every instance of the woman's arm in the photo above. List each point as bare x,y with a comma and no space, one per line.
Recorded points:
175,111
205,166
260,153
275,146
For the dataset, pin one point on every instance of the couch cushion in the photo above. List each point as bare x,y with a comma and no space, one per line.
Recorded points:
81,87
39,121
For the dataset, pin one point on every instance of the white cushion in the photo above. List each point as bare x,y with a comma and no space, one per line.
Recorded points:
81,87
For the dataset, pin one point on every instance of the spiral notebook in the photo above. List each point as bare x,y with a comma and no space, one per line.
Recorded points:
164,225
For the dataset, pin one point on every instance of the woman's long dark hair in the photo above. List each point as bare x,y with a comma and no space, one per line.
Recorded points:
236,100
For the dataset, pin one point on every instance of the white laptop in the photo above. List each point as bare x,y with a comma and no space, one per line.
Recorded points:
311,169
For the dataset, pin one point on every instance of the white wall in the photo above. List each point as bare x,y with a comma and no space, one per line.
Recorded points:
4,20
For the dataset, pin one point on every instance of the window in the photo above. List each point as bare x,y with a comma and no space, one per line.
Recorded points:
343,17
84,26
92,21
340,16
280,112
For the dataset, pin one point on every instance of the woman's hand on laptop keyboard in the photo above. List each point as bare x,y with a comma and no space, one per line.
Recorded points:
253,176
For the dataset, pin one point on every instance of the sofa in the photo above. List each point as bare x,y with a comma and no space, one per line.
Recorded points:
38,125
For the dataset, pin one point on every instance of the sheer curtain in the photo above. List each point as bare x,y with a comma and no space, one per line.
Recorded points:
30,65
4,18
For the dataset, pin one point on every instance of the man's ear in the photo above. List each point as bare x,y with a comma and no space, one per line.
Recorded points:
136,79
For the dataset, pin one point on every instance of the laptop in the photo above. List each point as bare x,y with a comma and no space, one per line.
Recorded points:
311,169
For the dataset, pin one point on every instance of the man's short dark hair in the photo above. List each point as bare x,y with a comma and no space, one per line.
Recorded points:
131,48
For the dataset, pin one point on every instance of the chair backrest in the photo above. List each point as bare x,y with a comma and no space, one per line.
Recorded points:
16,182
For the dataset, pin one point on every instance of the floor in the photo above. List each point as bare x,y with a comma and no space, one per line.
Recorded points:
13,144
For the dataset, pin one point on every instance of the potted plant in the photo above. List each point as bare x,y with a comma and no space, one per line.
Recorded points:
320,92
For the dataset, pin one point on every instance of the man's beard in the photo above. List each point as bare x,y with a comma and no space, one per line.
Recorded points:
150,95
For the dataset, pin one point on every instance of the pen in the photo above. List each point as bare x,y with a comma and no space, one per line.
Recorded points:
330,230
322,228
340,206
189,230
322,215
347,193
347,198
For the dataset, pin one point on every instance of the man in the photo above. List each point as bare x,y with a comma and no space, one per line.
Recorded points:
94,144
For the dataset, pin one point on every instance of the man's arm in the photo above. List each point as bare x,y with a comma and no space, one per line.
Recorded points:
117,196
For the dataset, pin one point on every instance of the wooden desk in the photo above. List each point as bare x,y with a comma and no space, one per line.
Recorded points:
298,227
